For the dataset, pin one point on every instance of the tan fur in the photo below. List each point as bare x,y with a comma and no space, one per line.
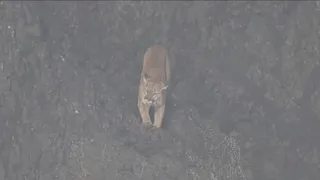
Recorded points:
154,80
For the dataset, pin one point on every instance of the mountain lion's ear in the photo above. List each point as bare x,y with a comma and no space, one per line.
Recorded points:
146,76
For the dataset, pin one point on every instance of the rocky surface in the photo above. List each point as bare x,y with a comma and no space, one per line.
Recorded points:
244,104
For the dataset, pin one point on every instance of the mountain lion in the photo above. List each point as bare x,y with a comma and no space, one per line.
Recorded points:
154,81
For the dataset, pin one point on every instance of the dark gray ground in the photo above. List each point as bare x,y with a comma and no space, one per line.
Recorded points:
245,78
